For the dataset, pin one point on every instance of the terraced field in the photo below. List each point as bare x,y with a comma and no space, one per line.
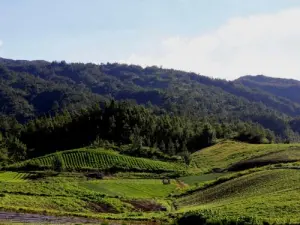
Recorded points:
224,154
270,194
86,159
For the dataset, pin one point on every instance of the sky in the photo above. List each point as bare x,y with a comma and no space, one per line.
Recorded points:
217,38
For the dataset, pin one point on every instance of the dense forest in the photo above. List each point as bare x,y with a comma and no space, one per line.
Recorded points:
122,124
51,106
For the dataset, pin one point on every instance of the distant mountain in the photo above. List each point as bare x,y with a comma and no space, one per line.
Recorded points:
285,88
34,88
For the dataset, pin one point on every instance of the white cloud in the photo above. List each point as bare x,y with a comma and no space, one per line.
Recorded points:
1,43
260,44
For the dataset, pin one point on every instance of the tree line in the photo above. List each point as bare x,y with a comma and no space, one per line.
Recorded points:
121,124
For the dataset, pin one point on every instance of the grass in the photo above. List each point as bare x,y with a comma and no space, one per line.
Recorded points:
131,188
13,176
285,156
201,178
98,159
227,153
269,194
75,195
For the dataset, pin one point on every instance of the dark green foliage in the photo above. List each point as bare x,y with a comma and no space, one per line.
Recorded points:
58,164
171,148
192,219
145,152
58,104
196,218
123,123
162,146
255,135
284,88
35,88
186,156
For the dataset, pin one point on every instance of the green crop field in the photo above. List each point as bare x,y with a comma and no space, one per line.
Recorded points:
225,154
99,159
64,194
201,178
289,155
13,176
267,195
132,188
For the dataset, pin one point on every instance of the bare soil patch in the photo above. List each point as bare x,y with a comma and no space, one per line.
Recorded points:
146,206
15,217
101,207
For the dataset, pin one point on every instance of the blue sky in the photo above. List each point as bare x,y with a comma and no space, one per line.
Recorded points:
219,38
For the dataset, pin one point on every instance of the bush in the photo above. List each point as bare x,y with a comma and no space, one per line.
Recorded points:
192,219
59,164
33,166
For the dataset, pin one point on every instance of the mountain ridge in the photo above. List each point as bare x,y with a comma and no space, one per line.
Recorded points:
35,88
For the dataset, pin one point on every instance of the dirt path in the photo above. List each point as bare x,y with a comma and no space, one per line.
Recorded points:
15,217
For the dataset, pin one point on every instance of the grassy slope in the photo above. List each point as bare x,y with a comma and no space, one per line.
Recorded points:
225,154
77,195
12,177
97,159
285,156
141,188
270,194
201,178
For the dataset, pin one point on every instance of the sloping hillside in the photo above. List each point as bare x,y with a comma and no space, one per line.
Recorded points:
97,160
226,154
273,195
36,87
285,88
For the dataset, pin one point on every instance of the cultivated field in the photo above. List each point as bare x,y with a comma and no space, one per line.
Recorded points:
227,153
270,195
95,159
229,183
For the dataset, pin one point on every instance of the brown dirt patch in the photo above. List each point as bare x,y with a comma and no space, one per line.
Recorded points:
17,217
180,184
146,206
101,208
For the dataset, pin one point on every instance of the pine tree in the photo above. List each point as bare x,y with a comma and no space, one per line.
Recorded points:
171,148
162,146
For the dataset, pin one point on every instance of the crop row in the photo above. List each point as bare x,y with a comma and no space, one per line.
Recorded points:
102,160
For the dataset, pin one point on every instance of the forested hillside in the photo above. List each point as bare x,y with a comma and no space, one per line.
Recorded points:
126,127
31,88
285,88
50,106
